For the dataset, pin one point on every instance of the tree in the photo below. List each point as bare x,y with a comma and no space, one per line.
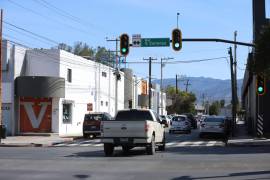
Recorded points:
63,46
183,102
214,108
101,54
261,63
82,49
222,103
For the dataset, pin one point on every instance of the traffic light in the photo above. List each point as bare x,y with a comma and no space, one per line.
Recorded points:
176,39
124,44
261,86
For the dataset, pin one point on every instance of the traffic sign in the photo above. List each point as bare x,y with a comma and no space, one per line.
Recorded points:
155,42
136,40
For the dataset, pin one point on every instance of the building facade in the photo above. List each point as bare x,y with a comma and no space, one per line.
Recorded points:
51,90
257,114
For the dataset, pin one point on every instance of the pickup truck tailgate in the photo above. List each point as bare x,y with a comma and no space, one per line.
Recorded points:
124,129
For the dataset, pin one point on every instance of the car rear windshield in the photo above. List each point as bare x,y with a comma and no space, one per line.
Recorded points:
133,116
179,118
214,120
93,117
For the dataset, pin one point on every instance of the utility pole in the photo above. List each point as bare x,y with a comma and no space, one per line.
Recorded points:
176,83
161,80
187,84
235,74
233,90
203,96
1,30
150,59
116,72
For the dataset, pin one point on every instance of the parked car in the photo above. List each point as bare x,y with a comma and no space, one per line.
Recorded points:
91,123
213,125
180,123
132,128
192,120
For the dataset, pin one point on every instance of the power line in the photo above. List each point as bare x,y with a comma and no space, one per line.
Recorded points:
47,17
28,35
35,34
61,12
176,62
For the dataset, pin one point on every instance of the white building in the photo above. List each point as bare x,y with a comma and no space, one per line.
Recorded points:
54,89
136,93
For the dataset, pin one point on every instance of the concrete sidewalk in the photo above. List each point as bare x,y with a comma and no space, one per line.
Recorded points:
243,139
43,140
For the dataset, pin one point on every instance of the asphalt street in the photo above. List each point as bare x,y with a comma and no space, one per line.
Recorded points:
176,163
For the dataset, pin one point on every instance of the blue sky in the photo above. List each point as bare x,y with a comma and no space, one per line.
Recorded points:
98,19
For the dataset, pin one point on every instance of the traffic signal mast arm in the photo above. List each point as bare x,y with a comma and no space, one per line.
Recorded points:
214,40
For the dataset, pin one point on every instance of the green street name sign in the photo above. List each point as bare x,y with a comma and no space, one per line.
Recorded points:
155,42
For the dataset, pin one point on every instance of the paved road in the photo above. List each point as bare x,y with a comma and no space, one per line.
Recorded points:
176,163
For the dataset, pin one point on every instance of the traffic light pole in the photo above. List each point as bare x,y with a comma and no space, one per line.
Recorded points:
116,72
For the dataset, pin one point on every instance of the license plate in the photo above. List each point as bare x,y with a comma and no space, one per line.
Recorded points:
93,127
124,139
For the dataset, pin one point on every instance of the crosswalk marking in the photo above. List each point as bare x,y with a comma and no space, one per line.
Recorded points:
171,143
181,144
211,143
98,143
198,143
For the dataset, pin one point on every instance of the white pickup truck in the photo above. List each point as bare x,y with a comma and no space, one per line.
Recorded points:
133,128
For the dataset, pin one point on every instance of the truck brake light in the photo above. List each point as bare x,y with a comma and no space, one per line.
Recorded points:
146,127
101,127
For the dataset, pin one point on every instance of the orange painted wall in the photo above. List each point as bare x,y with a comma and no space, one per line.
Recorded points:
46,120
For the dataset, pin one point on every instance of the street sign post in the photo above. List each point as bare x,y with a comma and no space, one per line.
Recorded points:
155,42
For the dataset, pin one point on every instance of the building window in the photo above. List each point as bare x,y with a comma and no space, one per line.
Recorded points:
67,113
107,103
104,74
69,75
101,103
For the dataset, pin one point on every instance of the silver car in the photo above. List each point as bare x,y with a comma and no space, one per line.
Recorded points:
180,123
213,125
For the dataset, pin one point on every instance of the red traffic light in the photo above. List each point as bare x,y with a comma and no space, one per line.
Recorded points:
177,39
124,44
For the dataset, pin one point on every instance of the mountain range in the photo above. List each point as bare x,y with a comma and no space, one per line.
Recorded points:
205,89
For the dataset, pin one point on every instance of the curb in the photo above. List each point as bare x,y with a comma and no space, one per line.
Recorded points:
35,144
21,145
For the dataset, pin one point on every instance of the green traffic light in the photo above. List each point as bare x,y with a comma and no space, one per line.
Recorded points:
260,89
124,50
177,45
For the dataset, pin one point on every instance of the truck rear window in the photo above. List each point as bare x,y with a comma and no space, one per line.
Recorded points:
93,117
133,116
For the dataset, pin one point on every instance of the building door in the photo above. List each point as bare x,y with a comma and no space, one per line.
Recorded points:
35,114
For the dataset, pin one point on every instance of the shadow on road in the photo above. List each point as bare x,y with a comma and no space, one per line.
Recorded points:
117,153
242,174
217,150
